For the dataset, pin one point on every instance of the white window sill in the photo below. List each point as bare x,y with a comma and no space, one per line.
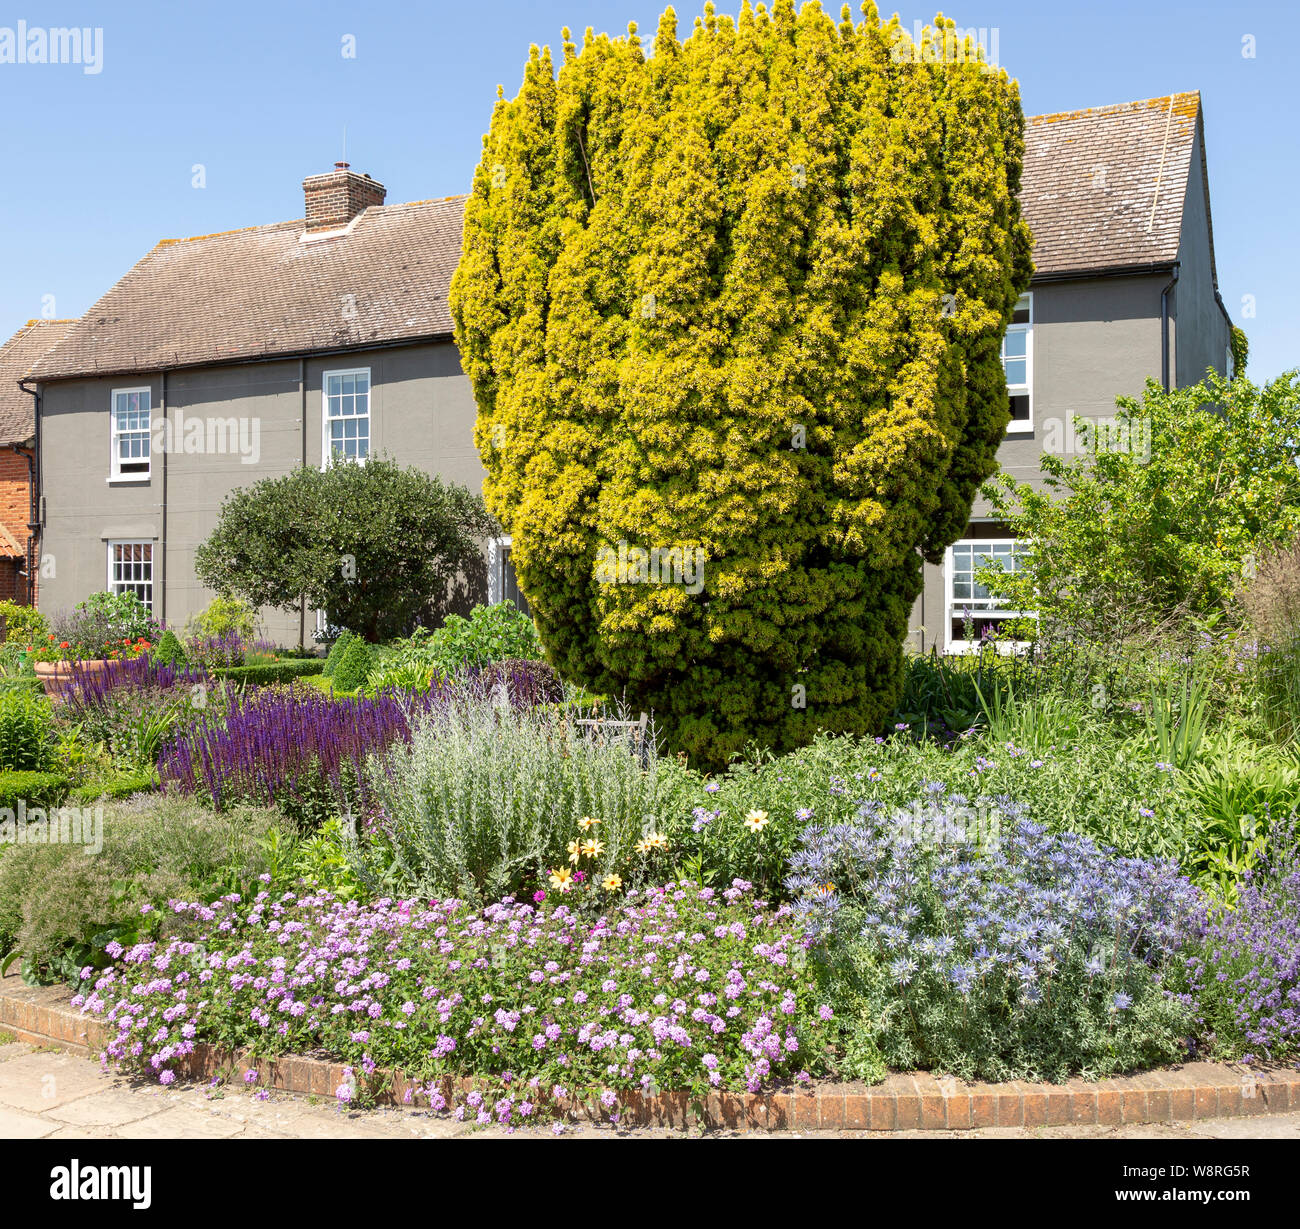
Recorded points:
960,648
111,480
1020,428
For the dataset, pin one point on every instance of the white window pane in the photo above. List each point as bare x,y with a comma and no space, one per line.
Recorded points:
1016,344
1016,373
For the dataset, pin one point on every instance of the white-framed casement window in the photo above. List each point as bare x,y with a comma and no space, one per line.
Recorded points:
130,569
346,415
503,585
1018,363
973,614
130,428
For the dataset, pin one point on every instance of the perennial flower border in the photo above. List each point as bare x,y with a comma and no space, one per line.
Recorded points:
640,997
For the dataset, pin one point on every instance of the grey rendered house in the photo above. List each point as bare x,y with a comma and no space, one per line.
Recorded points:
1124,290
226,358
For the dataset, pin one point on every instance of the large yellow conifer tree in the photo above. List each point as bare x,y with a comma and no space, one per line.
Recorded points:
743,298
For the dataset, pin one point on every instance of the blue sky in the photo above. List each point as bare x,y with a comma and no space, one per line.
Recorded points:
100,165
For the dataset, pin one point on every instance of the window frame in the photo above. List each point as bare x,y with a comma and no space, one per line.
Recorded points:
498,557
951,604
115,473
1025,426
326,452
113,582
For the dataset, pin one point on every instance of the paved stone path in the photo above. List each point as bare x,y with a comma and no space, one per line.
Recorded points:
51,1094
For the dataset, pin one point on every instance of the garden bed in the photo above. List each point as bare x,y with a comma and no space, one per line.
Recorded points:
1189,1092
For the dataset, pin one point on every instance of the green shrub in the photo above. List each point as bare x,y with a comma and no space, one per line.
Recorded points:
336,651
99,625
24,624
491,633
353,665
413,538
226,616
32,789
1160,512
169,651
272,672
484,802
59,908
404,676
26,735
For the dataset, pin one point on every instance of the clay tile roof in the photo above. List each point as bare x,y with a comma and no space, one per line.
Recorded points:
17,357
262,292
1104,187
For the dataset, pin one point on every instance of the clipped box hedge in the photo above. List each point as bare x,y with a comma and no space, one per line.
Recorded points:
273,671
119,785
34,789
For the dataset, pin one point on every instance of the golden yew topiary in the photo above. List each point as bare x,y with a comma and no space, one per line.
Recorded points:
744,298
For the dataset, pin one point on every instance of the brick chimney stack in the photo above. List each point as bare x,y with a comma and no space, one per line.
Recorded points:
335,198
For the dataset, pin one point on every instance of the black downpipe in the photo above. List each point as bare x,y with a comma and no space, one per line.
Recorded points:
302,424
34,470
160,564
1164,330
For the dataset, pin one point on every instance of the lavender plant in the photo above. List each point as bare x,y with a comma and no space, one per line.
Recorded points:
672,988
972,941
1245,978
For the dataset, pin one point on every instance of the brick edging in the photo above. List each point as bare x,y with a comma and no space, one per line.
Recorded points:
917,1101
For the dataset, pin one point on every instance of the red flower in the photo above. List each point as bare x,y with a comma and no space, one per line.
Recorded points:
63,644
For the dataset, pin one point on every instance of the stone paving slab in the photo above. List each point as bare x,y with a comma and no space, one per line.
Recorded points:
47,1079
16,1125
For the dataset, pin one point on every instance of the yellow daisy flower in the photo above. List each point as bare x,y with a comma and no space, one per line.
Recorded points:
575,851
560,878
755,821
593,848
612,883
586,823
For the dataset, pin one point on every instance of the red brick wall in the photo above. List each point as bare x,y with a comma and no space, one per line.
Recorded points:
15,510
